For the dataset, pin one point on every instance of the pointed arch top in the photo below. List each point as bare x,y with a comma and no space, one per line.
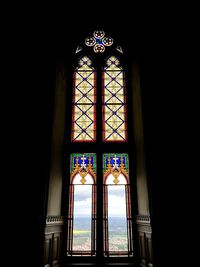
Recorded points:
83,168
84,63
116,168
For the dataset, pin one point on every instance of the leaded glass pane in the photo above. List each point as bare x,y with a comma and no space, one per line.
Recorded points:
83,122
114,102
84,102
114,129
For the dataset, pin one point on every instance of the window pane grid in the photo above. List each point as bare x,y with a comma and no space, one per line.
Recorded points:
83,119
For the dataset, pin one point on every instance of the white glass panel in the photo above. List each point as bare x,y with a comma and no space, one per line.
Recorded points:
121,178
117,219
88,178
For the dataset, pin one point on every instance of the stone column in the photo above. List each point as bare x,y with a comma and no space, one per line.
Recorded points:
54,220
143,221
56,171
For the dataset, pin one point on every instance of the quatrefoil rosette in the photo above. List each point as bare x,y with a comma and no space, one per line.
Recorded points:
99,41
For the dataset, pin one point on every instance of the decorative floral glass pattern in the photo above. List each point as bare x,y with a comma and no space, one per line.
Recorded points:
99,41
114,102
82,208
115,164
117,218
83,163
84,102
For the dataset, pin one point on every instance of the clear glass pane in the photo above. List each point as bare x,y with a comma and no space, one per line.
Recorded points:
117,219
82,217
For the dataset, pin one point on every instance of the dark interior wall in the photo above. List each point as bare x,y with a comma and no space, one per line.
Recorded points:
29,128
29,121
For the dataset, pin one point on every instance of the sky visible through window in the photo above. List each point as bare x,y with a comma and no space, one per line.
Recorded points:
82,217
117,221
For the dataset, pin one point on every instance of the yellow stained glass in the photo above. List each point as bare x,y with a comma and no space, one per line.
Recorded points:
84,93
83,122
114,102
84,105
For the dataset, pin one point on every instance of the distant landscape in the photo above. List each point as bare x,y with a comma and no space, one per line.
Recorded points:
117,234
82,233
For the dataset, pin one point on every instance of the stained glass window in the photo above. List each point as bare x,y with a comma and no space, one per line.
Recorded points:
116,219
114,102
82,209
117,206
84,102
99,41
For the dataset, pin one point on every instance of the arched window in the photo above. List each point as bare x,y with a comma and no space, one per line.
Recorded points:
98,204
82,209
99,213
117,212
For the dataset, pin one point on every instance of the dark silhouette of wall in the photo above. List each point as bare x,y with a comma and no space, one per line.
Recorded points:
29,126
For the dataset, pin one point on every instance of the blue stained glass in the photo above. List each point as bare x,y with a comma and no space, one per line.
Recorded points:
116,160
86,160
99,41
83,160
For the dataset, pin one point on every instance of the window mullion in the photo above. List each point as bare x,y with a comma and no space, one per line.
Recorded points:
99,151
